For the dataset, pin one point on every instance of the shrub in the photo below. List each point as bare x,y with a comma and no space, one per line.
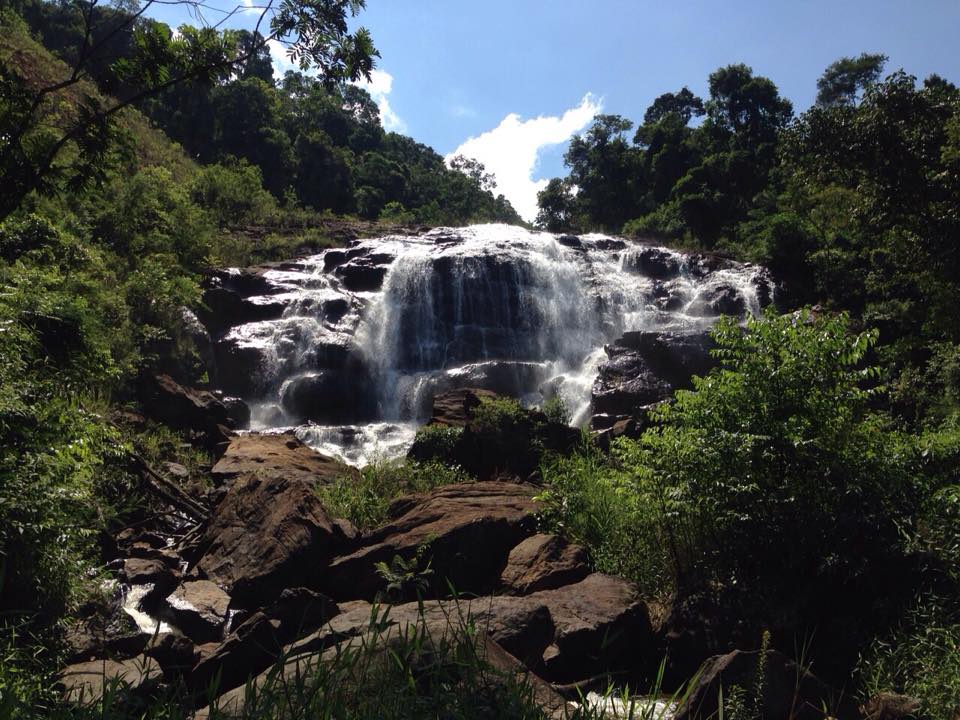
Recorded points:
436,442
593,500
774,467
556,410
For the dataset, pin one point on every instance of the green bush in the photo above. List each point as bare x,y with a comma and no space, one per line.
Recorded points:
364,501
593,500
556,410
774,469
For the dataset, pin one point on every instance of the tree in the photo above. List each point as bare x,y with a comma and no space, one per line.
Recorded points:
747,106
848,77
474,170
684,104
35,153
603,168
556,203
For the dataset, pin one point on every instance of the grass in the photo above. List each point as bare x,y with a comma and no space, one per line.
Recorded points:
438,668
365,501
921,659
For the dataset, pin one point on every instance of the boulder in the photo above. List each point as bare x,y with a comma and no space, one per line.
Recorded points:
543,562
645,367
269,533
84,683
150,571
199,608
890,706
174,652
654,263
186,409
434,643
276,456
601,626
719,300
258,641
468,530
788,691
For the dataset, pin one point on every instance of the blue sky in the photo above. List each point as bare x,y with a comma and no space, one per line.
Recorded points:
520,77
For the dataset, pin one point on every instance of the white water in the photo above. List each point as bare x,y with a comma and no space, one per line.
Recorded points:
479,305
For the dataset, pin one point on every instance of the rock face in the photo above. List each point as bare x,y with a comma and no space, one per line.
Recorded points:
788,691
278,457
646,367
468,531
543,562
87,681
455,408
269,533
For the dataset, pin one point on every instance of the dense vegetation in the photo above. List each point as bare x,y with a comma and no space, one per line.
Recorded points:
822,454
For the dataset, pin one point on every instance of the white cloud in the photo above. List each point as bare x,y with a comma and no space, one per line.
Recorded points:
380,86
281,61
510,151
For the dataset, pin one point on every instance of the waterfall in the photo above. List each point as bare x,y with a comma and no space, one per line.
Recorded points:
369,334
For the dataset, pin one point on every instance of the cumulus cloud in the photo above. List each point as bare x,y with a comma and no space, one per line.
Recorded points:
281,61
510,151
380,86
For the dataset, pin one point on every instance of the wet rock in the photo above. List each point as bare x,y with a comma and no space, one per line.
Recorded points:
571,241
653,262
152,571
104,630
199,608
645,367
503,377
544,562
86,682
269,533
364,273
788,691
331,397
468,530
280,456
239,367
226,308
720,300
258,641
238,411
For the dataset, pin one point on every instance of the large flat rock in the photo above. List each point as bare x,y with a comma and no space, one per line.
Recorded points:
277,456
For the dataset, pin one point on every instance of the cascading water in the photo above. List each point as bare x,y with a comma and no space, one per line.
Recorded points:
368,335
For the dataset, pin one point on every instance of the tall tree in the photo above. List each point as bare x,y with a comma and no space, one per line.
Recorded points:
846,79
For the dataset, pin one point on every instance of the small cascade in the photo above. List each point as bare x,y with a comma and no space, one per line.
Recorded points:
351,345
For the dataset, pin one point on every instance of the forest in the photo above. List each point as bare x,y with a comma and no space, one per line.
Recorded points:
805,492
